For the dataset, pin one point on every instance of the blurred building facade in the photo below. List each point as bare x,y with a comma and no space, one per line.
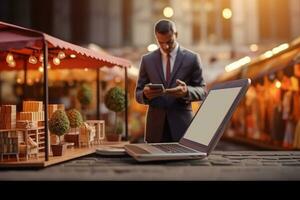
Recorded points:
220,30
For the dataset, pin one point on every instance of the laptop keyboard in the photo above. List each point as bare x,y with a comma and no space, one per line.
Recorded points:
173,148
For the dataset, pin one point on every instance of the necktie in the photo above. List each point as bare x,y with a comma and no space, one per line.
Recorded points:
168,70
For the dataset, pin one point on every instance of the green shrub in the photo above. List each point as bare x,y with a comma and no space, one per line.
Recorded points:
59,123
114,100
85,95
75,118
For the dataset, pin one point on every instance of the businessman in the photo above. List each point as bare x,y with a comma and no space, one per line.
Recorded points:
179,70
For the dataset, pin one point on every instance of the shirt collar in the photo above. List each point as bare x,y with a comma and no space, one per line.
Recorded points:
173,52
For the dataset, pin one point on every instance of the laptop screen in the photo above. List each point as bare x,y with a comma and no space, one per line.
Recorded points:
211,114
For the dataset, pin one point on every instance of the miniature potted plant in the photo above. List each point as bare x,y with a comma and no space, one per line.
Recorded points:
84,96
75,119
59,125
115,101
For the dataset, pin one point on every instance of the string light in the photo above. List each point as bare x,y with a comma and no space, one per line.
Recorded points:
41,58
61,55
32,60
56,61
12,64
9,58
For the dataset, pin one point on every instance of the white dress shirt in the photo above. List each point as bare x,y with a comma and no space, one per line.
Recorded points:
173,55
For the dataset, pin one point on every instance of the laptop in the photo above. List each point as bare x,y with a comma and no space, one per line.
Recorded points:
205,129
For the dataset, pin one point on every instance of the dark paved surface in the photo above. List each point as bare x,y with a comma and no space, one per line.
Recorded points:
228,162
230,146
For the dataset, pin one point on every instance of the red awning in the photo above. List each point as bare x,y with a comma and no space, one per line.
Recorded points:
23,42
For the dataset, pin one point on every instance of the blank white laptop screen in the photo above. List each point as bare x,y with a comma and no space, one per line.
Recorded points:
211,114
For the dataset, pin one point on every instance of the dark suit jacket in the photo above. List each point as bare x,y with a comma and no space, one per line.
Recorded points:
177,111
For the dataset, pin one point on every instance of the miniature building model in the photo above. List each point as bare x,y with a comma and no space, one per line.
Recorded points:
8,116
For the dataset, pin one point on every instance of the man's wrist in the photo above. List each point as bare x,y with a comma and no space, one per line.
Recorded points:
186,97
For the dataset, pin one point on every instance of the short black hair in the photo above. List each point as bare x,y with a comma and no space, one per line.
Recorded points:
165,26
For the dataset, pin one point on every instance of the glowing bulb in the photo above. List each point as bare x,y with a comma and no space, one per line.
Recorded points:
86,69
61,55
41,58
152,47
12,64
268,54
19,80
41,69
32,60
278,84
30,82
168,12
227,13
254,47
56,61
9,58
73,56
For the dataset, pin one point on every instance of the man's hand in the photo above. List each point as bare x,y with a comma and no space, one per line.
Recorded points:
179,91
152,93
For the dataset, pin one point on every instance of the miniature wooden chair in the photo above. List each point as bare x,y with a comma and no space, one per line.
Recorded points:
100,130
31,148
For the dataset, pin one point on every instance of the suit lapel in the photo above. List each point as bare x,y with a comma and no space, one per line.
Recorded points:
177,64
159,67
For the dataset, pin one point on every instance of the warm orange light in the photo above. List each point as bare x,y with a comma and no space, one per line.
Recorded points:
227,13
118,79
9,58
280,48
12,64
268,54
19,80
32,60
41,58
56,61
30,82
238,64
41,69
61,55
278,84
152,47
254,47
168,12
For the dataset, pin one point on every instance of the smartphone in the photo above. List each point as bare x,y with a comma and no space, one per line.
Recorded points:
156,86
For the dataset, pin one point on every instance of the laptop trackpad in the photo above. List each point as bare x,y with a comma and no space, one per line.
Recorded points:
151,148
